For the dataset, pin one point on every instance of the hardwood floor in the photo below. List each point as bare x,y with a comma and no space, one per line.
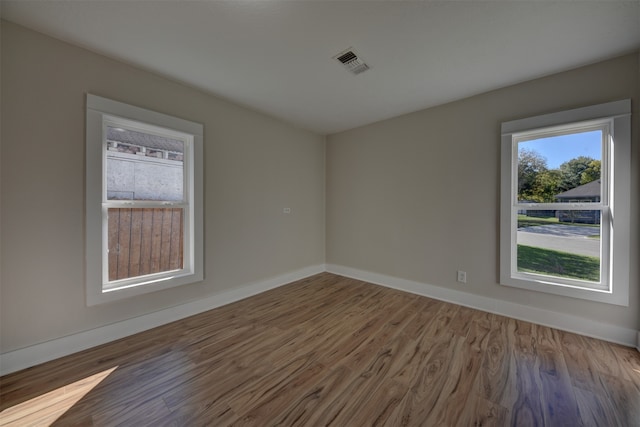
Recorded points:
328,350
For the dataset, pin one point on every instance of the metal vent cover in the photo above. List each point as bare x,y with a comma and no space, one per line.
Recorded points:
351,61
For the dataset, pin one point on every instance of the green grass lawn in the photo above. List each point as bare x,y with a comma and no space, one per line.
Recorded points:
556,263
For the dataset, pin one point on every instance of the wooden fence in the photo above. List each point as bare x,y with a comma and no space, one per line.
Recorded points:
144,241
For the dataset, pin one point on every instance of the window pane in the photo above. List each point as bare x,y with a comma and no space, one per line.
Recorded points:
563,168
142,166
144,241
564,244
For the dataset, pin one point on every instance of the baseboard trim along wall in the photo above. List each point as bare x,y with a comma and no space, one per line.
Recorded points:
40,353
34,355
566,322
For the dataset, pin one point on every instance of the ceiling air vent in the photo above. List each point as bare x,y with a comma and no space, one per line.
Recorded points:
350,60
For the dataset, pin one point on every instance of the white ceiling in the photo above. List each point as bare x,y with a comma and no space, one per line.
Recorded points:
276,56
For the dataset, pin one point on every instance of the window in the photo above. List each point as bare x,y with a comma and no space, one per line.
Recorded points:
143,201
565,213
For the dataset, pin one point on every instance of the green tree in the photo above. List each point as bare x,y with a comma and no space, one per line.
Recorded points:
537,183
530,165
591,173
571,172
546,186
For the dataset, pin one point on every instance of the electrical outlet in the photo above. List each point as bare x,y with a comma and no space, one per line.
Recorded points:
462,276
286,210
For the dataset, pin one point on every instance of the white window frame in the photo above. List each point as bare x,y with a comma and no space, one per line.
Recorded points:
103,112
614,118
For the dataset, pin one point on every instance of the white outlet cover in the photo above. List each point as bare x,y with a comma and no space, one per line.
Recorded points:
462,276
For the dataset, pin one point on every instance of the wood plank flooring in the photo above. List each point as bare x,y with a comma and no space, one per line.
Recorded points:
328,350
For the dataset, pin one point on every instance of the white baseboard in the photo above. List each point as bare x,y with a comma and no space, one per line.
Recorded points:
30,356
39,353
580,325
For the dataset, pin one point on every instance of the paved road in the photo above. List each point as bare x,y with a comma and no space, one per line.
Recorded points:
561,238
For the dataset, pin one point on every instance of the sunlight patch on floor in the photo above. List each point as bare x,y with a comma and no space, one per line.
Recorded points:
45,409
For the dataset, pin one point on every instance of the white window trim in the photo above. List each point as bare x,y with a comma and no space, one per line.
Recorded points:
100,111
619,115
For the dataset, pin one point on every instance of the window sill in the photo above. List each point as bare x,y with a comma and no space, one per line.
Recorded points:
127,291
597,295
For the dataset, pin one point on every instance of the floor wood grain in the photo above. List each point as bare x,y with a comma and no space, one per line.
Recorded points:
333,351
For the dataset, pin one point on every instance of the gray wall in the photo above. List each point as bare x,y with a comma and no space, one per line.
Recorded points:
417,196
254,166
